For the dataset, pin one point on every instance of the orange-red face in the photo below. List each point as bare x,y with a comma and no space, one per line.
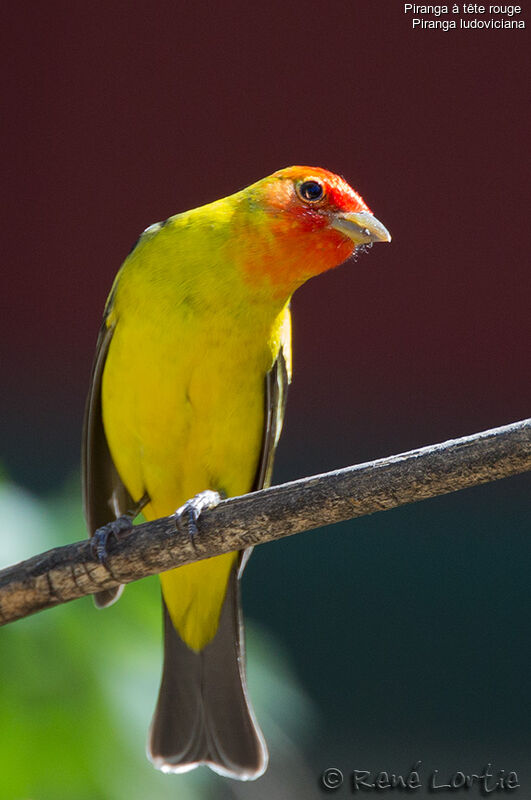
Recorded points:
310,195
314,221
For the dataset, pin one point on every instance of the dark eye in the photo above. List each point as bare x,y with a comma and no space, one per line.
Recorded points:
311,191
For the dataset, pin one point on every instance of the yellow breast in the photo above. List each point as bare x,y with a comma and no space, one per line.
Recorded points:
183,403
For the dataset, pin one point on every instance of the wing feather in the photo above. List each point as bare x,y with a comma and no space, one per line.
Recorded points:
104,494
276,394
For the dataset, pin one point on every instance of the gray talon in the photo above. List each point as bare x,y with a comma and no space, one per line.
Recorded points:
190,511
112,530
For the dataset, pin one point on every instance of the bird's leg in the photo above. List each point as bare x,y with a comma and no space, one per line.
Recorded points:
112,530
187,515
115,529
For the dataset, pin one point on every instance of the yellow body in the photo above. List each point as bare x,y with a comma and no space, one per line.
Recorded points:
196,344
187,394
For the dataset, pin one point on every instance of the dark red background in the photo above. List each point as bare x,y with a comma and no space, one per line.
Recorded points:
120,114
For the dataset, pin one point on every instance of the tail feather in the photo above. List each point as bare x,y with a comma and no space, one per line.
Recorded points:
203,715
107,596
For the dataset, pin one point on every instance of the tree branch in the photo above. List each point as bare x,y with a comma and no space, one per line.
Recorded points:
68,572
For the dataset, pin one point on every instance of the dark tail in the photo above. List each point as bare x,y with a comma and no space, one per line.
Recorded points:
203,715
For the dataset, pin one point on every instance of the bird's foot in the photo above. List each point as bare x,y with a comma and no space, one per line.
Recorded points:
113,530
187,515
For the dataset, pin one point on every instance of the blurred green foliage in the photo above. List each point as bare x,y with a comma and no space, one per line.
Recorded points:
78,686
408,630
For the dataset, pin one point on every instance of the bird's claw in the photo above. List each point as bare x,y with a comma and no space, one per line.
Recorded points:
188,514
113,530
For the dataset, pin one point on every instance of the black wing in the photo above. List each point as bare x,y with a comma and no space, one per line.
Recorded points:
276,395
277,382
104,494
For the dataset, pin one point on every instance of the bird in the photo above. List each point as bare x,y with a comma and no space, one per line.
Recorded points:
186,405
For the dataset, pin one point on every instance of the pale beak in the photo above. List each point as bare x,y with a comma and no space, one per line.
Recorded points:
360,226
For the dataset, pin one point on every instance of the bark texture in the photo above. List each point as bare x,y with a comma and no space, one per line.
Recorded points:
66,573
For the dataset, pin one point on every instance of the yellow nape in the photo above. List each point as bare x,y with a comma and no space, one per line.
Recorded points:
194,596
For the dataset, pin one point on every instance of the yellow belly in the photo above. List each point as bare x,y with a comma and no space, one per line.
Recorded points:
183,414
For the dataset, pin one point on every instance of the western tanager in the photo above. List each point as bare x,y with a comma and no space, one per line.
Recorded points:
188,394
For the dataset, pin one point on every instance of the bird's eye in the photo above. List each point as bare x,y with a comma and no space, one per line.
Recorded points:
311,191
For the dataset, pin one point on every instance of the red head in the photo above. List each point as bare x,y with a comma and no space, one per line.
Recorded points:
307,220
